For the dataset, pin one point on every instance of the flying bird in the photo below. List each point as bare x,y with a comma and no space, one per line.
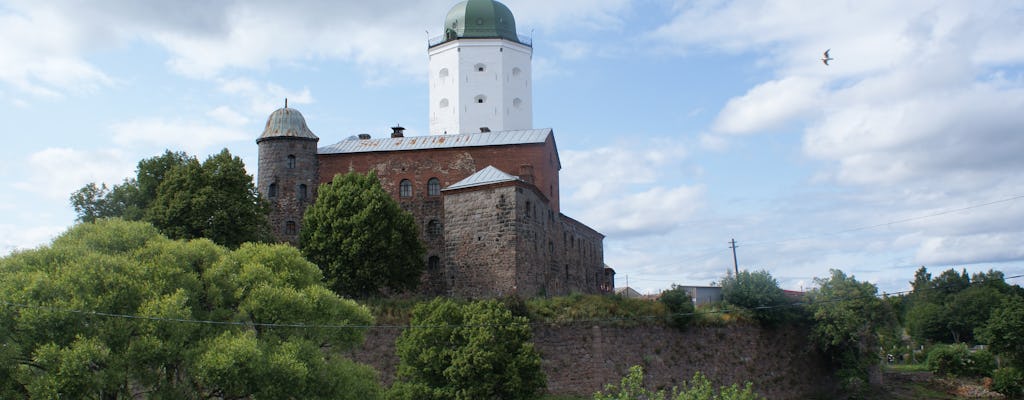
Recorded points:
827,57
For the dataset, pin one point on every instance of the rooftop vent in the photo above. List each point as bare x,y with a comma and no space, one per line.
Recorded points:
397,131
364,136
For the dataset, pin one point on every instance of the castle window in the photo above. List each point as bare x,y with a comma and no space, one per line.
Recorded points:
517,102
291,161
434,263
480,67
443,73
289,228
434,187
443,103
480,99
272,190
529,206
434,228
302,192
516,71
405,188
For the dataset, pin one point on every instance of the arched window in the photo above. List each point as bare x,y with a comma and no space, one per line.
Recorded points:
443,103
443,73
480,67
517,102
302,192
291,161
480,98
405,188
433,263
272,190
434,228
516,71
434,187
290,228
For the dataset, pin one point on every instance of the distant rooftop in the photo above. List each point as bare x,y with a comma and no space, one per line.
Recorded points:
357,145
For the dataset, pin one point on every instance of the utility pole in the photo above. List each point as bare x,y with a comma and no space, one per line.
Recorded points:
735,265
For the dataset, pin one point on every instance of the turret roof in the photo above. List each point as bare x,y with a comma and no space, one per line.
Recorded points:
286,123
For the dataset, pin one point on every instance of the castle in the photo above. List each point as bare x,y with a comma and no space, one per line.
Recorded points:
482,187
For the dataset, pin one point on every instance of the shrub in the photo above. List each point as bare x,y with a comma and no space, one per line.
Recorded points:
1009,381
957,360
679,305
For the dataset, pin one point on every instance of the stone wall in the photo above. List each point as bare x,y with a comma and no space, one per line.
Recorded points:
291,166
580,360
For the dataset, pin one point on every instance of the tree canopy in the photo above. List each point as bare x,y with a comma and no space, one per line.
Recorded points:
469,351
847,317
184,199
361,239
949,308
113,309
759,292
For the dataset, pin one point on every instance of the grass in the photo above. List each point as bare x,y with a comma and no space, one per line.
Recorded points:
906,367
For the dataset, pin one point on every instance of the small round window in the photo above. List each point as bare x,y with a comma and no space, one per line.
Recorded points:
443,103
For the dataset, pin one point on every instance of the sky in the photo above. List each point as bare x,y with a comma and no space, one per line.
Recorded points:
681,125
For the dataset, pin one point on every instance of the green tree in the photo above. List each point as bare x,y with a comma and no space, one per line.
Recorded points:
112,309
1004,332
847,316
679,304
215,200
699,388
927,322
361,239
759,292
183,199
469,351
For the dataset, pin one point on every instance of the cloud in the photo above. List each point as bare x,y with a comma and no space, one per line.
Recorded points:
630,191
192,136
19,238
770,105
56,172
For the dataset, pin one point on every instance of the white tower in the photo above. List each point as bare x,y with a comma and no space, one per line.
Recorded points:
480,73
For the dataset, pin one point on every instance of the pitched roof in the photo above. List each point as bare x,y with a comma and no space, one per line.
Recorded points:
356,145
482,177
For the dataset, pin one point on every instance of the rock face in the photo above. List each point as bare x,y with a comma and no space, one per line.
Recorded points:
581,360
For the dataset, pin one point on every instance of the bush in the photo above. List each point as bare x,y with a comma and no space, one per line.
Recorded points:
679,305
1008,381
699,388
957,360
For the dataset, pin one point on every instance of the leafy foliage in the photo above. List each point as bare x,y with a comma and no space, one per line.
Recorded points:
847,317
679,304
468,351
184,199
952,306
698,388
1009,381
361,239
1004,332
613,310
957,360
759,292
103,313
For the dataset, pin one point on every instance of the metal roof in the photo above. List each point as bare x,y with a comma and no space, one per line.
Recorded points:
286,122
482,177
356,145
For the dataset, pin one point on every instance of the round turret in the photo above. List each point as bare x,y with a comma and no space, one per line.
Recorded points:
288,172
480,19
286,123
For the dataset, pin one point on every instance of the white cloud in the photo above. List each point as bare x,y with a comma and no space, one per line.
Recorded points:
195,137
19,238
769,105
630,192
266,97
226,115
56,172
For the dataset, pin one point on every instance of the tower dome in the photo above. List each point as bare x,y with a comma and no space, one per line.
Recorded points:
480,19
286,123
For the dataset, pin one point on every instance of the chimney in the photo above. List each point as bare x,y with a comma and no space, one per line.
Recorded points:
364,136
397,131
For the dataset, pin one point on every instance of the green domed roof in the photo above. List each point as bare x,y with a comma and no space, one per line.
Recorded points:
480,19
286,123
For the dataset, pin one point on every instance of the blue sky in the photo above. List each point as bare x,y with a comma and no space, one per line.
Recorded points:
681,124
